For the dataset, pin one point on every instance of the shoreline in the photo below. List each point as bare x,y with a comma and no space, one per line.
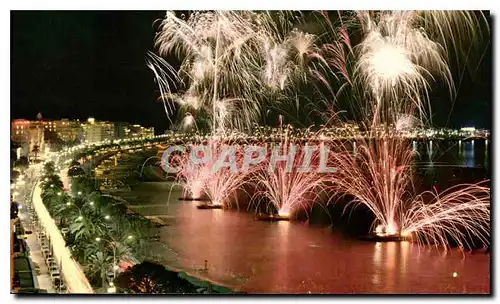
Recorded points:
202,281
195,279
194,276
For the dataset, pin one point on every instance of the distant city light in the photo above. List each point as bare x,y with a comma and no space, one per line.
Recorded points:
468,129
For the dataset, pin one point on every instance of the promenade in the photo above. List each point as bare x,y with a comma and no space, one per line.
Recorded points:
33,207
42,279
73,274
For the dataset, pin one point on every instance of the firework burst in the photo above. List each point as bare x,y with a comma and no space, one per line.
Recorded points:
396,60
403,85
216,49
235,64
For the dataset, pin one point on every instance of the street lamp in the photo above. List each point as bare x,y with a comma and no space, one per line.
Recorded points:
112,243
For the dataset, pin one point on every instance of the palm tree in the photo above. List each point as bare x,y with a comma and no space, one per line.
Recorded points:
88,226
54,197
139,228
52,184
142,279
152,278
81,182
119,248
127,241
74,163
59,209
76,172
124,251
35,151
49,168
99,264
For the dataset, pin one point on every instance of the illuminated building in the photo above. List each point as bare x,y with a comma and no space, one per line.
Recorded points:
468,129
139,131
27,134
96,131
64,129
60,132
19,130
122,130
56,132
69,130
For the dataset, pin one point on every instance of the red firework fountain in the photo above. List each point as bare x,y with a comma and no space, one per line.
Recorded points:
290,179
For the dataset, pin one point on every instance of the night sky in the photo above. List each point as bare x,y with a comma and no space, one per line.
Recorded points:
80,64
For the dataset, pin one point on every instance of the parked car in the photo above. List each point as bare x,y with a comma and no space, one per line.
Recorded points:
55,275
59,285
49,261
53,268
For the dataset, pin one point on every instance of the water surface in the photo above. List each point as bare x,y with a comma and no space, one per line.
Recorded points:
291,257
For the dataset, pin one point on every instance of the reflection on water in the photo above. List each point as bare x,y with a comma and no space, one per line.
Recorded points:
290,257
430,154
465,153
486,154
469,155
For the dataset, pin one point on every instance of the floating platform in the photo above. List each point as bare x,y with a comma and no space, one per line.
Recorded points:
272,217
208,206
199,199
384,238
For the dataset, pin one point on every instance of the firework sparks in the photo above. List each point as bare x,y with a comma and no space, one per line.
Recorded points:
414,58
460,212
289,185
380,175
234,64
216,49
215,173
